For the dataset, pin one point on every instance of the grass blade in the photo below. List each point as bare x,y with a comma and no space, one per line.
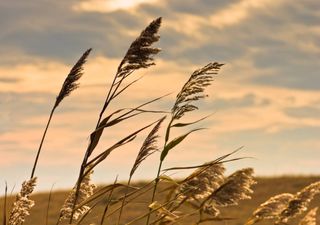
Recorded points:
48,206
123,141
174,143
194,122
108,202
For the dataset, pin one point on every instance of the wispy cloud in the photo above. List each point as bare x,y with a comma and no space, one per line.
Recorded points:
237,12
9,80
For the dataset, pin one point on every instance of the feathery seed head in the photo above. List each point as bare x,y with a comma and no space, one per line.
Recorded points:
21,209
300,202
149,146
140,53
22,205
74,75
28,186
86,190
193,89
271,208
310,218
236,187
202,182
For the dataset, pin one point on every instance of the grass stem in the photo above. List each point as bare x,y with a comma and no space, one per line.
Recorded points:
41,143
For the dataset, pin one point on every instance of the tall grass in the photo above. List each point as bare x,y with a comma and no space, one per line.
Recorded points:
202,194
283,207
69,85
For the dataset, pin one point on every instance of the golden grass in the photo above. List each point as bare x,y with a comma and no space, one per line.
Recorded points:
264,189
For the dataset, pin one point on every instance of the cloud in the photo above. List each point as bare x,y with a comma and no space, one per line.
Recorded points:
202,7
108,6
248,100
303,112
295,76
285,40
64,37
240,11
9,80
264,97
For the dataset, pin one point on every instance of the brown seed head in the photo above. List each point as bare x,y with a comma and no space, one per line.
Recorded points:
300,202
149,146
140,53
74,75
86,190
193,89
236,187
271,208
202,182
22,205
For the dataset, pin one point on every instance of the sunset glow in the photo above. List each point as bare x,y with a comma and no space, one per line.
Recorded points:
109,5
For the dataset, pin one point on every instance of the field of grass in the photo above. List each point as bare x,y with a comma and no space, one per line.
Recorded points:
264,189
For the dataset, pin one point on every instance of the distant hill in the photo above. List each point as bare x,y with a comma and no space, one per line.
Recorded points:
266,188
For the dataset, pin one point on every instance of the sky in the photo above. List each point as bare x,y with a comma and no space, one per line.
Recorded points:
265,98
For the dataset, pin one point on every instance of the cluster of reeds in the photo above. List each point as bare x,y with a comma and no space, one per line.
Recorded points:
283,207
203,192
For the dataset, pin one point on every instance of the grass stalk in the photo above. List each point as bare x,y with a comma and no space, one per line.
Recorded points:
41,143
159,169
123,200
69,85
48,206
108,203
4,218
150,211
127,66
154,190
153,210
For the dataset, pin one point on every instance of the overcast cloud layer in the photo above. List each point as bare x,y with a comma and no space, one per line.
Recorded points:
267,96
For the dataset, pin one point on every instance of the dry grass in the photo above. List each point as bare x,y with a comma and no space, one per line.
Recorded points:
264,189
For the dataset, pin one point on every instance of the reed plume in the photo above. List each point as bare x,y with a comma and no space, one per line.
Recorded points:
309,218
22,205
193,89
140,53
271,208
202,182
235,188
300,202
86,190
149,146
69,85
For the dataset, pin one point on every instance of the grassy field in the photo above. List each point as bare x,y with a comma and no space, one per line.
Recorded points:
265,188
